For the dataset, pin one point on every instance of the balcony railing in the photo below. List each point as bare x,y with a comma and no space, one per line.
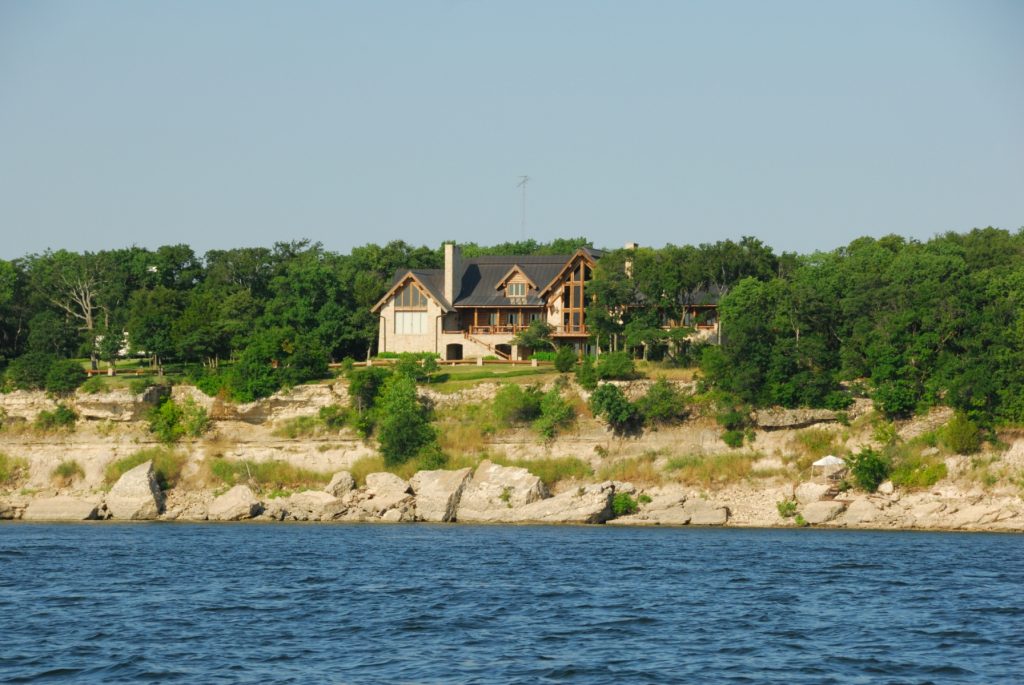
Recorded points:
507,329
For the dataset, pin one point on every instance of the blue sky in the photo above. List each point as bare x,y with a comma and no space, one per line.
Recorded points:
228,124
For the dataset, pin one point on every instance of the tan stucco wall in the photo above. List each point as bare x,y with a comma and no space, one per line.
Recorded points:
389,341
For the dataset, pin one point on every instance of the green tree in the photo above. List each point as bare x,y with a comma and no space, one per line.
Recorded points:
403,428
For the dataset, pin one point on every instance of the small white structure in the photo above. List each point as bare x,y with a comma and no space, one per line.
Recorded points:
831,467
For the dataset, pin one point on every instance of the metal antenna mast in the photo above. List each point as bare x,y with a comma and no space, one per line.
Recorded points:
523,180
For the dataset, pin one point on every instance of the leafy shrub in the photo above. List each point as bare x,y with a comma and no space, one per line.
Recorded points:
800,521
555,413
565,359
787,508
644,498
403,428
615,366
13,470
298,427
586,374
733,419
29,371
733,438
334,417
66,472
140,385
167,465
416,366
171,421
868,468
961,435
837,400
663,404
610,403
896,399
64,376
60,418
515,405
544,355
364,385
93,385
623,504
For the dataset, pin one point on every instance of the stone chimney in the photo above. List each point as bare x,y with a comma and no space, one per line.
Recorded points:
452,271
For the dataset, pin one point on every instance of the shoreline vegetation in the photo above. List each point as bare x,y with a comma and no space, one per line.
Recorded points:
236,372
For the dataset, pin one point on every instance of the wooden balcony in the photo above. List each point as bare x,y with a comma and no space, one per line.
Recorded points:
495,330
577,331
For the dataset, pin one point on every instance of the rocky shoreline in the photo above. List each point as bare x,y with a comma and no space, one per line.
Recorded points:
112,427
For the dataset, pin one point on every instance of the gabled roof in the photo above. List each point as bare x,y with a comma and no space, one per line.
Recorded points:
482,277
431,280
590,254
516,269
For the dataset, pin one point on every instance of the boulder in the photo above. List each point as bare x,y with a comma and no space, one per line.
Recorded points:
861,511
234,505
341,484
10,510
822,512
495,490
62,509
588,504
704,513
438,493
136,495
806,493
310,505
386,497
119,405
886,488
664,509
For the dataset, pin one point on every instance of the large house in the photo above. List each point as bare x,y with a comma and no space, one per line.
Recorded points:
473,308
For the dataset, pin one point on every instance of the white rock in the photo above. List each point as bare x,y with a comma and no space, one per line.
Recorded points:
386,491
495,490
703,513
886,488
62,509
822,512
311,505
589,504
136,495
861,511
341,484
806,493
234,505
438,493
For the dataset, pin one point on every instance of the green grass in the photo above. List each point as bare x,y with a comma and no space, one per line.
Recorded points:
551,470
13,470
274,476
61,418
166,462
455,378
66,472
712,469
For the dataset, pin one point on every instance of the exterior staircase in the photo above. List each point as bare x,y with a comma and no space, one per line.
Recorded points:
496,352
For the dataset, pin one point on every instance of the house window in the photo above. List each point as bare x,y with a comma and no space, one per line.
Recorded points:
492,319
534,316
410,297
513,318
515,290
410,323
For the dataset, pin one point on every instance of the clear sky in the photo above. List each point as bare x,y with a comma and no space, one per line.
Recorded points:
225,124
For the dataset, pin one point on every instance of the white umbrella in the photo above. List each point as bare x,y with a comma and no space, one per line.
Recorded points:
830,460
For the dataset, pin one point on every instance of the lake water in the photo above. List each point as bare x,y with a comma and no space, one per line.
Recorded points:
495,604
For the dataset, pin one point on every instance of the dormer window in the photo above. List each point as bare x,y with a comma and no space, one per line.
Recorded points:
515,290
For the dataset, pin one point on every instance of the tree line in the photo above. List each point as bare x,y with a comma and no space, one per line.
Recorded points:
912,323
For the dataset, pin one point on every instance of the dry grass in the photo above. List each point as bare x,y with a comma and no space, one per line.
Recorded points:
265,476
713,469
66,472
672,373
13,470
640,470
551,470
811,444
167,464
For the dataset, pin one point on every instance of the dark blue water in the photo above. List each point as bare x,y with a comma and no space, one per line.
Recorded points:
464,604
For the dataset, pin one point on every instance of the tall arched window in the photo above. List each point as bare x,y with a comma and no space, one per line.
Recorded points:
410,310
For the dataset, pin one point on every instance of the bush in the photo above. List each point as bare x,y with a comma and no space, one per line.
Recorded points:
416,366
66,472
13,470
623,504
544,355
565,359
29,371
615,366
64,376
93,385
586,374
896,399
403,428
663,404
516,405
868,468
140,385
171,421
837,400
298,427
787,508
961,435
733,438
267,475
166,463
334,417
364,385
610,403
555,412
60,418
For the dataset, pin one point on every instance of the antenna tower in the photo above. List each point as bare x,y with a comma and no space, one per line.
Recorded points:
523,180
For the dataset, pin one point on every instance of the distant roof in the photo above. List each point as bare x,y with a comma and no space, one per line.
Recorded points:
481,276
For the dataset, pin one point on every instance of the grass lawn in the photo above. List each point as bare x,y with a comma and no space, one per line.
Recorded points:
455,378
